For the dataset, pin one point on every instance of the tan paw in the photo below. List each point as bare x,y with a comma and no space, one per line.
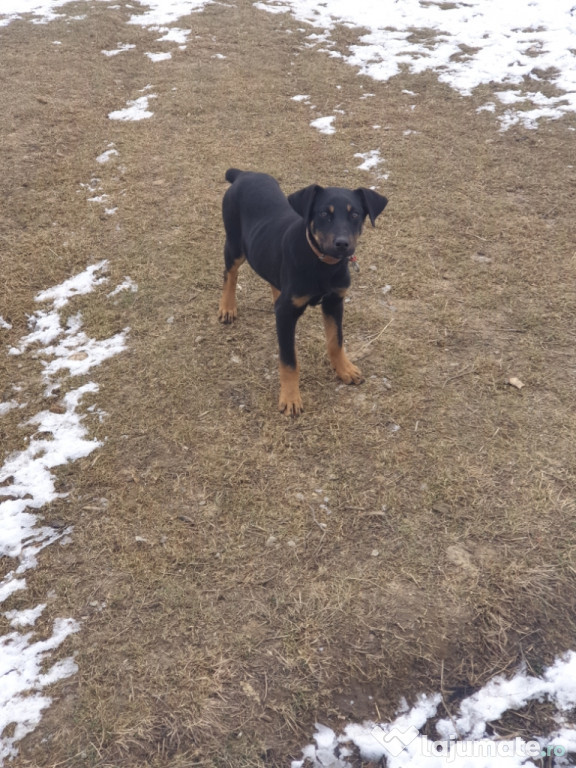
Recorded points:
290,405
349,373
227,314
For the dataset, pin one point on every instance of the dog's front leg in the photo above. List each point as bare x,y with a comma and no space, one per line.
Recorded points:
332,312
287,315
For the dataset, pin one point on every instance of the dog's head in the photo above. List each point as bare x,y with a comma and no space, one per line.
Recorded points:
334,216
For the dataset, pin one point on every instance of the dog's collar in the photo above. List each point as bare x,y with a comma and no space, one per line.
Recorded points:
318,253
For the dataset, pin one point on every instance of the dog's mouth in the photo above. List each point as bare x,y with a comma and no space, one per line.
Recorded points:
332,250
344,253
340,248
339,254
328,258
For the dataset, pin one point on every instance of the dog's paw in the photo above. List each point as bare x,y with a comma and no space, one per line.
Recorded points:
290,401
227,314
349,373
290,405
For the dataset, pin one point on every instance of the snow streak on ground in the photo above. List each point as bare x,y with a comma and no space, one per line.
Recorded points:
27,484
27,481
463,740
136,109
517,45
56,338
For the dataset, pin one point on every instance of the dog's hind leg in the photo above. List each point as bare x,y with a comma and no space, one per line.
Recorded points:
227,311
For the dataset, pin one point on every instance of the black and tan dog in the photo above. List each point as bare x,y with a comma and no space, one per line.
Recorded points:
301,245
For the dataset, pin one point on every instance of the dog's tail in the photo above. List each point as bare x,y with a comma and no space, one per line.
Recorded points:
232,174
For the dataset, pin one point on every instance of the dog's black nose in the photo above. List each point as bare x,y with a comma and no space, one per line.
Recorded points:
341,243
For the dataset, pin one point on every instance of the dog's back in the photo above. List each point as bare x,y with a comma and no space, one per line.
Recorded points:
255,213
257,195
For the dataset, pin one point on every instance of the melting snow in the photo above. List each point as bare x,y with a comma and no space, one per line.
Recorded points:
27,484
463,739
466,44
324,124
134,110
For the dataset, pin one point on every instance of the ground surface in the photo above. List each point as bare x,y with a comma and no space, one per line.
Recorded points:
237,575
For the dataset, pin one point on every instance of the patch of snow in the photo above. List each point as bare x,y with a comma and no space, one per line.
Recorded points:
25,618
164,12
106,155
122,47
464,739
159,56
27,484
7,406
127,285
324,124
79,285
136,109
175,35
371,159
467,44
273,7
22,662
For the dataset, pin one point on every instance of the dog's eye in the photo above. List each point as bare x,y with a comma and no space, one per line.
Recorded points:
354,215
323,215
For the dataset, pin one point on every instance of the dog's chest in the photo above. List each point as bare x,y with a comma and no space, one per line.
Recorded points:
325,285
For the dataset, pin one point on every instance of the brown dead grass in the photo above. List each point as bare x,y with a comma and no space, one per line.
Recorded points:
239,576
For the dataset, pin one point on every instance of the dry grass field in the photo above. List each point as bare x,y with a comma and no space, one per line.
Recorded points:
239,575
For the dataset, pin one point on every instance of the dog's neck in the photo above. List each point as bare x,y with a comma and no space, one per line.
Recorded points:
317,252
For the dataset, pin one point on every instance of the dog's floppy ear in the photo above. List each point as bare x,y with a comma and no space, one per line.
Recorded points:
372,202
303,200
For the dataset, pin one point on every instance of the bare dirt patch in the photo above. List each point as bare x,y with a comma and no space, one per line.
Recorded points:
239,576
